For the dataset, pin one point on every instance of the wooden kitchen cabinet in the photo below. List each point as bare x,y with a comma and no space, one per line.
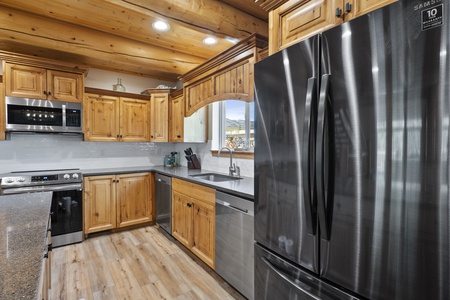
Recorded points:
116,201
42,83
159,120
192,129
228,75
116,119
99,197
193,218
2,112
297,20
182,218
134,199
176,117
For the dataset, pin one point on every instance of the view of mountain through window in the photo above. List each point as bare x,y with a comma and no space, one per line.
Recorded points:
239,125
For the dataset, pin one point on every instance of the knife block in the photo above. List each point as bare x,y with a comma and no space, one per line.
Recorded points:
194,163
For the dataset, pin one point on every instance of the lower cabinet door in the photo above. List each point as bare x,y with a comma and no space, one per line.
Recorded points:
99,194
133,199
204,236
182,218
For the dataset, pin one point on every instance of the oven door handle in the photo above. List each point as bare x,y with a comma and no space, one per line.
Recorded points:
43,188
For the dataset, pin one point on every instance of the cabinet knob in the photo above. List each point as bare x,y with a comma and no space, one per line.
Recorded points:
151,136
49,93
117,136
348,7
45,92
178,136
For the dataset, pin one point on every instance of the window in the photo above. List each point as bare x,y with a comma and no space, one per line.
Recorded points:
236,129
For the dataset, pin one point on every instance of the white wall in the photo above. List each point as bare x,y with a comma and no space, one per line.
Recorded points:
28,151
103,79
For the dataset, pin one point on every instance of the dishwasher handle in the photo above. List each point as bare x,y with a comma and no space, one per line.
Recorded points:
241,210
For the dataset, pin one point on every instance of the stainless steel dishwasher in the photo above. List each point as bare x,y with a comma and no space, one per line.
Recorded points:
234,242
163,195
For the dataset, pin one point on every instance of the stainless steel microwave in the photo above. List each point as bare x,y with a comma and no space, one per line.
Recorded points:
35,115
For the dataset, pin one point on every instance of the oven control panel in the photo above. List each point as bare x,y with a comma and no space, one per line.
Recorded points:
44,178
40,178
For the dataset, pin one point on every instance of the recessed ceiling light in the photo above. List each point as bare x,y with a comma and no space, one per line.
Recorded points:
210,40
232,40
161,26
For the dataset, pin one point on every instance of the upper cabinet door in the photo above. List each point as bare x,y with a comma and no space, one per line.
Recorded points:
101,118
176,118
64,86
362,7
159,129
134,120
25,81
299,19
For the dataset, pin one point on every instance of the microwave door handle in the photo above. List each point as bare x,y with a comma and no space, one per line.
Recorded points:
64,115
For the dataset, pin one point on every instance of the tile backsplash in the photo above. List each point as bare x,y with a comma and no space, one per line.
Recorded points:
28,151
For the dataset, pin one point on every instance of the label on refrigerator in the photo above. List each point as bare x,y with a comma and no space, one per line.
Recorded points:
432,17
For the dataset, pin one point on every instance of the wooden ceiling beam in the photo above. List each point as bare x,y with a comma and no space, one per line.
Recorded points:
209,16
21,28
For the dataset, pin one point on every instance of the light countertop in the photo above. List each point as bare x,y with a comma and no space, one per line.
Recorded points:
23,221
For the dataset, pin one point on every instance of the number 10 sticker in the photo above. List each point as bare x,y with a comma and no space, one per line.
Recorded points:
432,17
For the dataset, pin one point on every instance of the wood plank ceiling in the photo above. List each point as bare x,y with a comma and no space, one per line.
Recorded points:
118,35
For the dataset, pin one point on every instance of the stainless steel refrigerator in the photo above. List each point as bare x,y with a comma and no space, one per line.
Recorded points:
352,165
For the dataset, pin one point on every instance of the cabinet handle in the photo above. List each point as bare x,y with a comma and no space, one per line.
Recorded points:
117,136
178,136
120,136
45,92
151,136
338,12
49,93
348,7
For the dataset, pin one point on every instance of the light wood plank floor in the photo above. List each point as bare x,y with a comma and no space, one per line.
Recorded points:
137,264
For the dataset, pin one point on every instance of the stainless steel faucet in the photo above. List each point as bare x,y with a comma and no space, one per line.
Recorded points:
232,169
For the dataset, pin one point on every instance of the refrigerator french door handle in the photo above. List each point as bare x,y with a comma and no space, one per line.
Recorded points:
320,158
286,278
307,154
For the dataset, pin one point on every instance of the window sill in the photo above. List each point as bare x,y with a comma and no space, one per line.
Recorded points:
236,154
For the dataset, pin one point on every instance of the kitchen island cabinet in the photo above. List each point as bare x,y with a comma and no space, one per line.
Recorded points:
193,218
117,201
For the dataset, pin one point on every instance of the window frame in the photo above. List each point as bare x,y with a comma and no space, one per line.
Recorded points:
222,126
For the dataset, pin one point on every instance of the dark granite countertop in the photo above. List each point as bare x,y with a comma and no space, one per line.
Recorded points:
243,187
23,221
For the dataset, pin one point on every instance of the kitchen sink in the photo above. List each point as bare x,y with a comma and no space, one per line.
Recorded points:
215,177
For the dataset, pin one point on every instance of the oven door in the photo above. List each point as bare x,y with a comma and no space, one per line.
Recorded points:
67,217
66,211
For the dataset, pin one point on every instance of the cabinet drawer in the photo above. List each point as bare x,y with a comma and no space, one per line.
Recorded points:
196,191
